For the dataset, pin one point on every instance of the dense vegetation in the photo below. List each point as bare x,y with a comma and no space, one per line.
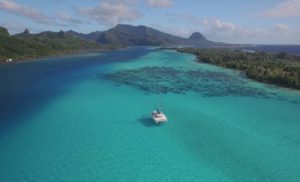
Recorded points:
280,69
26,45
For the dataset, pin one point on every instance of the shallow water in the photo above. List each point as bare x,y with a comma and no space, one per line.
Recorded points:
86,118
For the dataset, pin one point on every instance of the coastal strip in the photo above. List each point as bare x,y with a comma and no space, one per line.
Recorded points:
279,69
26,46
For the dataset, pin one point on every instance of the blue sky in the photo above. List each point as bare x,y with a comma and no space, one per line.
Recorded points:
233,21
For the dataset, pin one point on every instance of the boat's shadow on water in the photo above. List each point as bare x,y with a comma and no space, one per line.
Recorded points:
147,122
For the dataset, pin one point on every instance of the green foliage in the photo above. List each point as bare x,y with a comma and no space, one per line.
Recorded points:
280,69
3,31
25,45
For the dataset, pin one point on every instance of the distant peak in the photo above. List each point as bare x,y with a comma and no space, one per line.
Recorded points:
129,26
26,31
122,25
197,36
126,27
61,32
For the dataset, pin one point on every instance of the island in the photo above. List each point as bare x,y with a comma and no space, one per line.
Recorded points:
29,46
279,69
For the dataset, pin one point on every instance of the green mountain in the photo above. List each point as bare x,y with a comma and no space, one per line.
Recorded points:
138,35
128,35
197,38
26,45
3,31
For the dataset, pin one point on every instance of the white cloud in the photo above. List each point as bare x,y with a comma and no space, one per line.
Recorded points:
110,12
222,31
12,7
159,3
287,8
62,16
281,27
217,29
219,25
209,24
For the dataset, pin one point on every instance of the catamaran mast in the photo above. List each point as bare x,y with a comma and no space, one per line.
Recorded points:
159,97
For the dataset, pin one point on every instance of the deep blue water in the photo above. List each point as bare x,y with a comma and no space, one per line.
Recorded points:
26,86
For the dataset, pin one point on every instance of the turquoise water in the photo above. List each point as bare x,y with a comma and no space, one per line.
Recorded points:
86,118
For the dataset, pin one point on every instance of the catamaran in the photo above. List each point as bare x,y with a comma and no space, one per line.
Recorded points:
158,116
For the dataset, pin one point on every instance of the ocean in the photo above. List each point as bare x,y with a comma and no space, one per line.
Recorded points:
86,118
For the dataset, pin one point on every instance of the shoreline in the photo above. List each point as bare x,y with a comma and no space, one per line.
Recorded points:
198,60
55,55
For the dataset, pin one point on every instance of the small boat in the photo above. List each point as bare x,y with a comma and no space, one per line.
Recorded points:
158,116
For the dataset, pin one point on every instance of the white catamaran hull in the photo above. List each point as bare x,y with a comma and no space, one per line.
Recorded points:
159,117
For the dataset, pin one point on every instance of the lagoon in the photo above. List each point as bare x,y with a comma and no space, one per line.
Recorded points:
86,118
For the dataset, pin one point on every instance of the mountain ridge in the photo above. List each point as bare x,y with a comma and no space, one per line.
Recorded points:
28,45
129,35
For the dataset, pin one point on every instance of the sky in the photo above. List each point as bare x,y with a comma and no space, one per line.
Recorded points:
231,21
